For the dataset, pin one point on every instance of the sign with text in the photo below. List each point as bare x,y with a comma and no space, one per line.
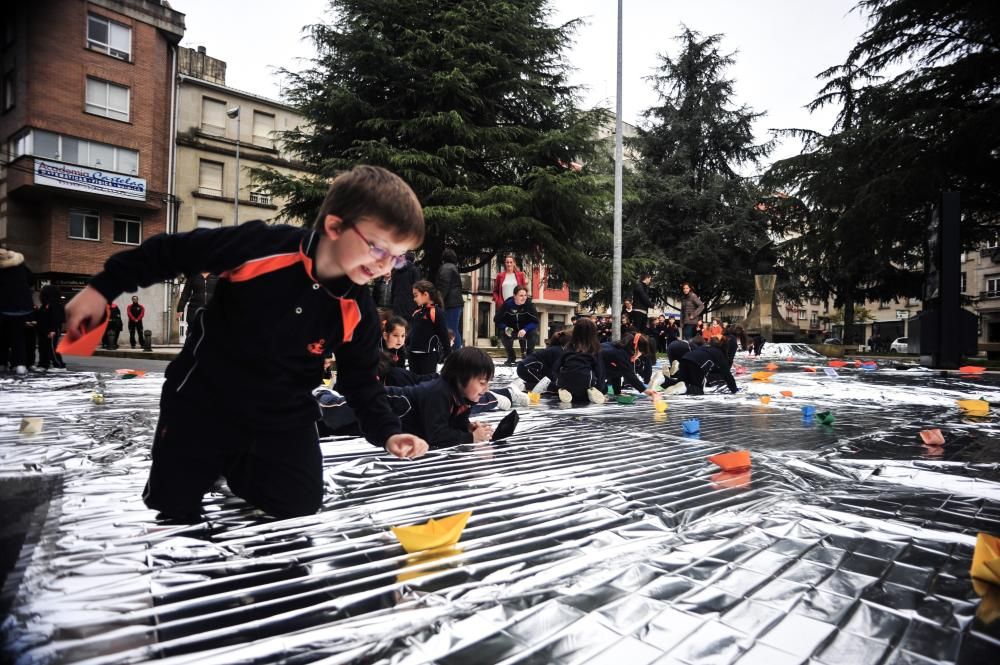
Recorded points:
82,179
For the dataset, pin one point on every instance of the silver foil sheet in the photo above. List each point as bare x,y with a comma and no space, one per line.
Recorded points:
598,534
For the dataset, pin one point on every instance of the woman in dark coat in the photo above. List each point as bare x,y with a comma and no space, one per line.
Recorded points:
449,285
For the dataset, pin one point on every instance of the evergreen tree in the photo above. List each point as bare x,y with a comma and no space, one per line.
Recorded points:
468,101
693,216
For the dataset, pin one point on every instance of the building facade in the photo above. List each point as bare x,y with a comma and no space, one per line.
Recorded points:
87,125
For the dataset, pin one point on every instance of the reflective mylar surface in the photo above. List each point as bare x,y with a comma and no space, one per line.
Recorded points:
599,534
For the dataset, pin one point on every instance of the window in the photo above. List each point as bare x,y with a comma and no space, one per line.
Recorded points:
209,223
802,315
9,91
84,224
993,286
260,196
553,280
814,301
213,116
107,99
210,177
109,37
964,283
102,156
993,243
128,229
45,144
263,127
814,320
485,281
75,151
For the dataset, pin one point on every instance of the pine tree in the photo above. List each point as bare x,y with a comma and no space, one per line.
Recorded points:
468,101
693,216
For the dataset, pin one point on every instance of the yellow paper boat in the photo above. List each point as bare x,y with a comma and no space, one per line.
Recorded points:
986,559
989,607
974,407
433,533
762,376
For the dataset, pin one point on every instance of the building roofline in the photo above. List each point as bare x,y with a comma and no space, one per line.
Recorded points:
184,78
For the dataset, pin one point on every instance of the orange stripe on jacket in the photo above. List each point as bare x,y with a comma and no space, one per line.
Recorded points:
351,315
262,266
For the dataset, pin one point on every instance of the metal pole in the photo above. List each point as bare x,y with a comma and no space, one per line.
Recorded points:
616,278
236,196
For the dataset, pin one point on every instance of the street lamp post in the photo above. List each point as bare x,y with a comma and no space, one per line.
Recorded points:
235,113
616,274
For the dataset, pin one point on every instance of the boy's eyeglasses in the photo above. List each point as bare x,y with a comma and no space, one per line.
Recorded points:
380,253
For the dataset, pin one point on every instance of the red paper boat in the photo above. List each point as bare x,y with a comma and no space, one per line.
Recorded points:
971,369
809,369
836,363
732,480
734,461
786,393
85,344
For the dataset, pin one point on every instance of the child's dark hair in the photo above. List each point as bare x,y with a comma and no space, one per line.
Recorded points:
560,338
394,322
466,364
372,191
449,256
584,338
385,365
426,286
636,343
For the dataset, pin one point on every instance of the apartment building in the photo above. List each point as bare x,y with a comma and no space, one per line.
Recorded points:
86,120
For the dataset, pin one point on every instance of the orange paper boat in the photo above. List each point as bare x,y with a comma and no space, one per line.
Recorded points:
971,369
734,461
433,533
932,437
786,393
986,559
974,407
131,373
836,363
765,399
85,344
762,376
770,367
731,479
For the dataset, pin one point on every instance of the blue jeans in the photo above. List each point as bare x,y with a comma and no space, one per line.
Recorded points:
453,318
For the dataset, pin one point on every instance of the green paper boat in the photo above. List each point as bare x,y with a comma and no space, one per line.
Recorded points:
824,418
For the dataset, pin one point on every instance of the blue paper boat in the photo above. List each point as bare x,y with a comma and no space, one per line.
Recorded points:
808,411
692,426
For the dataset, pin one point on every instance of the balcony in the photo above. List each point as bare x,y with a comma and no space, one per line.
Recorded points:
989,295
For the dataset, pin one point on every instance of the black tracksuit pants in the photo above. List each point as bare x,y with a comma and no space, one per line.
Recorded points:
279,471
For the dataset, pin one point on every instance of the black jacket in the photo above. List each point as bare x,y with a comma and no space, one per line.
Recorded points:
519,317
429,332
678,349
550,357
618,363
576,362
449,285
432,411
711,360
267,328
640,297
401,284
399,376
197,291
15,286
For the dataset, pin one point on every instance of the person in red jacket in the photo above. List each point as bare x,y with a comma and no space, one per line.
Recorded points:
507,280
135,313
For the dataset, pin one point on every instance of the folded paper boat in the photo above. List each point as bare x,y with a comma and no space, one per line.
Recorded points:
734,461
974,407
433,533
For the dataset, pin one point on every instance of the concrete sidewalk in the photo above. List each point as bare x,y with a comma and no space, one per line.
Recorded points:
162,352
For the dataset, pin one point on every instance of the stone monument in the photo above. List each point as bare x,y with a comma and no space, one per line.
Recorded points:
764,318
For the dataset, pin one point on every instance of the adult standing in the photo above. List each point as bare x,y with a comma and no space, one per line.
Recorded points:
196,294
641,303
135,313
50,320
506,281
16,305
449,285
517,319
691,310
401,286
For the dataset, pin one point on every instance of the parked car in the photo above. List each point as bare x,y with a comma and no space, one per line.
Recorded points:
833,340
900,345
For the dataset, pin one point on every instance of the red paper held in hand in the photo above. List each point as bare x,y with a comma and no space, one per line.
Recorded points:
932,437
734,461
85,344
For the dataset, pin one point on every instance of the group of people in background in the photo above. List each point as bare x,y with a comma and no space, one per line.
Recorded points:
29,330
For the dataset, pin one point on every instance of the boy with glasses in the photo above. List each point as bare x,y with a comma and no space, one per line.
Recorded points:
285,299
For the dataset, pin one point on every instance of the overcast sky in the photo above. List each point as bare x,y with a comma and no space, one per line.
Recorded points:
780,46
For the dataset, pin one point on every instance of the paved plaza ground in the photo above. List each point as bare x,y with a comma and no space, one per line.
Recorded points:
599,534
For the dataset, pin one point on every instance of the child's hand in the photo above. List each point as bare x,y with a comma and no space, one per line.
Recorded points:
482,432
84,312
406,446
650,392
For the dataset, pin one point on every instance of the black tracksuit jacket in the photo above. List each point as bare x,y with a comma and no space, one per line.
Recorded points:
550,358
429,332
433,411
257,351
707,360
618,363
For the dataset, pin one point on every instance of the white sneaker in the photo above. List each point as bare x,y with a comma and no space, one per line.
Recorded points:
542,385
518,397
595,396
503,404
517,384
57,369
674,367
20,370
678,388
656,379
564,396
